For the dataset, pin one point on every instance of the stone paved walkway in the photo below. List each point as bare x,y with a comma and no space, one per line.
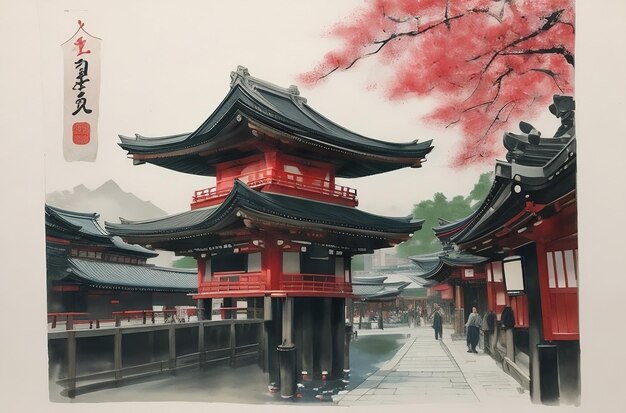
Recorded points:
425,370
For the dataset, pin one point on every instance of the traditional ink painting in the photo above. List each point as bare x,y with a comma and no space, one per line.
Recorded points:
290,205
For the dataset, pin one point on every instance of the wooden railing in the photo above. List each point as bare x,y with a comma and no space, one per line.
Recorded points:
242,281
315,282
87,320
76,377
282,178
70,319
168,315
234,281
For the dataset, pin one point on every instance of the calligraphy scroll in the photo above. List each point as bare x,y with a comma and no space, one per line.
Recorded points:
81,61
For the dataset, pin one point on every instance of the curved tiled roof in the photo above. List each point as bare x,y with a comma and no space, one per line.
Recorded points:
375,289
254,106
85,225
538,172
430,266
132,277
245,201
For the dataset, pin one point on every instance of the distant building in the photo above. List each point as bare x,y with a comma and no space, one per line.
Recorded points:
383,258
391,289
89,270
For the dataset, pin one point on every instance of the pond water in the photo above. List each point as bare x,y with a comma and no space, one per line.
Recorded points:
245,384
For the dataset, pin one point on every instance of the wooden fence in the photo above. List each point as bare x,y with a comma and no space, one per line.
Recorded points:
88,360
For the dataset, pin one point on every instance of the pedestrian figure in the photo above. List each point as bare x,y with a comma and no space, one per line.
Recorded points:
473,330
437,319
488,326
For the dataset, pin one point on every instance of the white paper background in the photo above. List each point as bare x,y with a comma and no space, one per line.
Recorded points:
30,119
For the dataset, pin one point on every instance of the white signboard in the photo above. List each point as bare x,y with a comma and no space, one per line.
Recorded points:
81,72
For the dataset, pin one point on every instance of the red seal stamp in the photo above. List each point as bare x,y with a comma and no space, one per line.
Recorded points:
81,133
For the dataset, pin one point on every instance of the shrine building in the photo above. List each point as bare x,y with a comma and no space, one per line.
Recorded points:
526,233
90,271
276,229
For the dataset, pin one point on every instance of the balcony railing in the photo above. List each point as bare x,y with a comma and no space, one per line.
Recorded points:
282,178
234,281
242,281
315,282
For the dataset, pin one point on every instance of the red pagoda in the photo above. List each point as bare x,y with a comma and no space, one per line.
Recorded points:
276,230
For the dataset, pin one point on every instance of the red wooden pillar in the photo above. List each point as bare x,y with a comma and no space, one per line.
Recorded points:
272,264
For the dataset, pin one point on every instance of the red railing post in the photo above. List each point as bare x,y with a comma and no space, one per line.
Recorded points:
284,178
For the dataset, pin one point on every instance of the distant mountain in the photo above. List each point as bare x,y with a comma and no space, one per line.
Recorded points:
111,202
108,200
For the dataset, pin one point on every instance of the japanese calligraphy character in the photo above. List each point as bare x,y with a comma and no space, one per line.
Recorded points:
80,42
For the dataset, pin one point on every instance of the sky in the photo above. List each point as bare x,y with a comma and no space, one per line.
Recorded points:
166,66
163,77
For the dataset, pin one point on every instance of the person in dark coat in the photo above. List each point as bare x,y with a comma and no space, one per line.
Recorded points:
437,318
473,324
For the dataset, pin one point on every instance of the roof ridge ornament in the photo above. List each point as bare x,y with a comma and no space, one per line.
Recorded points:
242,76
294,93
563,108
239,76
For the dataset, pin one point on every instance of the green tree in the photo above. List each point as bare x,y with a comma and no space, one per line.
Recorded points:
481,188
424,241
185,262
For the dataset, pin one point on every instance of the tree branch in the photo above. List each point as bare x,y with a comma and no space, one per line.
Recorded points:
384,42
570,25
569,58
329,73
551,20
504,3
488,13
496,118
498,82
446,21
477,106
414,33
551,74
453,123
397,20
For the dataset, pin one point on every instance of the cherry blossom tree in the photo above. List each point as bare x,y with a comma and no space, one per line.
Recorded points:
486,63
